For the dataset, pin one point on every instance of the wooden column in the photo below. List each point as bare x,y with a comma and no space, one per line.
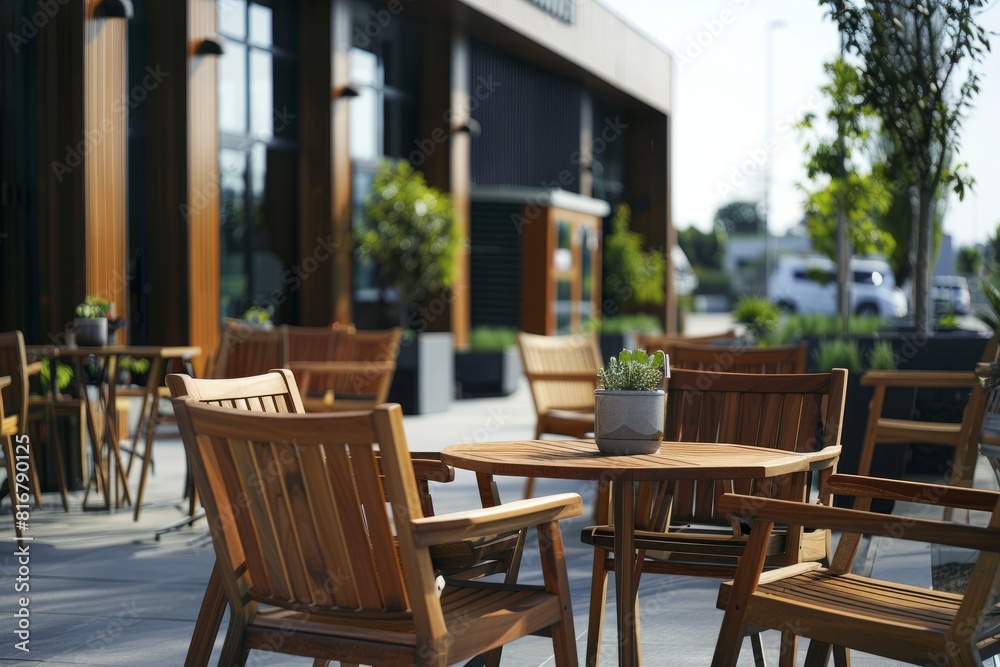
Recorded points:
649,195
341,177
460,176
315,295
183,177
105,125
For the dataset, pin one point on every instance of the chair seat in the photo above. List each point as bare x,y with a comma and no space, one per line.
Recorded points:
483,606
705,543
907,430
828,607
492,553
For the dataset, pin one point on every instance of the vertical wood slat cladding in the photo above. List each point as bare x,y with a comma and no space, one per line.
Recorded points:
105,137
60,195
315,295
530,123
203,248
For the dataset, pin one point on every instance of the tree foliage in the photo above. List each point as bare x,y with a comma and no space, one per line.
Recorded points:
968,261
740,217
632,268
705,250
843,180
917,72
410,232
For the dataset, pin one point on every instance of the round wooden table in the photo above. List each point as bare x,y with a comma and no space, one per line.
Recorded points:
580,459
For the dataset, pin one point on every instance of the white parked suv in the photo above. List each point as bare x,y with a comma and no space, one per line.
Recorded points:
809,285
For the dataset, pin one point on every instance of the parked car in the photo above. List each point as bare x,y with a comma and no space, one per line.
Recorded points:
808,284
950,294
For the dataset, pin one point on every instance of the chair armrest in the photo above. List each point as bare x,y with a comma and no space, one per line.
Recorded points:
520,514
920,379
427,466
823,459
856,521
4,381
34,368
914,492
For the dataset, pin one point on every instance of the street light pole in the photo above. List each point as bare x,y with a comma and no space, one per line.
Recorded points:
768,136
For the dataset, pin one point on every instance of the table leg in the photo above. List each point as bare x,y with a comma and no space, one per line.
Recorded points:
153,379
623,494
111,435
96,440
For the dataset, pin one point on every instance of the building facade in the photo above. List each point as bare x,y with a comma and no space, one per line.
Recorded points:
186,159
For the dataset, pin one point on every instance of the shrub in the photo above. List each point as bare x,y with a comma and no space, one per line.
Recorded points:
623,324
758,314
491,339
839,353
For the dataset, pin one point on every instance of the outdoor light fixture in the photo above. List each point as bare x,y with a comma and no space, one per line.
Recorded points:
470,127
210,46
114,9
348,90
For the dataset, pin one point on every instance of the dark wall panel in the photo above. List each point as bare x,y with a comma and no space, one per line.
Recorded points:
529,122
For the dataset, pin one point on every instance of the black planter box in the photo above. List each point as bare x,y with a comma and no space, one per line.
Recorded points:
482,374
424,380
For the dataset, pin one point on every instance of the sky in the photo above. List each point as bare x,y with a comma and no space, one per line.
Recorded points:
719,107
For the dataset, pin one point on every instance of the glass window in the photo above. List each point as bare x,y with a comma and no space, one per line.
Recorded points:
258,102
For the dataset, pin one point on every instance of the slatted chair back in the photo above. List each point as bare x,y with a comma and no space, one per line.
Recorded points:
962,436
380,351
335,560
573,362
740,359
653,342
14,363
244,351
313,343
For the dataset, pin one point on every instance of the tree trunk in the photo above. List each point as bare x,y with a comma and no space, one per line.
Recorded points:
922,267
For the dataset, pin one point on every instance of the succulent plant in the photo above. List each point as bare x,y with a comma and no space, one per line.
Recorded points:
634,370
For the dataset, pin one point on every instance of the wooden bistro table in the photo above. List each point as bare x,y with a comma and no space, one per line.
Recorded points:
580,459
114,473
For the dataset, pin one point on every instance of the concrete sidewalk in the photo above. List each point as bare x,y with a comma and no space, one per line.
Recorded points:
104,592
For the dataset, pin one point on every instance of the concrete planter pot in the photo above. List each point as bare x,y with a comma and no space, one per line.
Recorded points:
91,331
628,422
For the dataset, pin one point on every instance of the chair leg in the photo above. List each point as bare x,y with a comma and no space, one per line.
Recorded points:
841,656
56,445
789,649
233,651
598,599
213,607
818,654
8,459
757,644
553,561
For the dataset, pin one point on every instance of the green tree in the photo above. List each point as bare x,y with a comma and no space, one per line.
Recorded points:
705,250
410,232
632,271
841,179
911,57
740,217
969,260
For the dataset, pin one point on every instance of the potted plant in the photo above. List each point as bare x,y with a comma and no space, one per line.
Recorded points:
91,322
491,366
758,314
411,234
629,406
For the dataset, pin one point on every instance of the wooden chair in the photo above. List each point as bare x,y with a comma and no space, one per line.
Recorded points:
308,551
22,408
313,343
562,374
356,375
740,359
276,392
838,610
244,351
666,343
679,528
963,436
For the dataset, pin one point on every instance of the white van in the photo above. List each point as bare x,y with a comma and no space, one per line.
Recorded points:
809,285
